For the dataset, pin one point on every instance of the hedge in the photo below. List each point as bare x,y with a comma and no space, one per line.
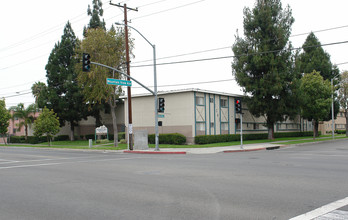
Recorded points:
121,135
174,138
340,131
62,138
209,139
30,140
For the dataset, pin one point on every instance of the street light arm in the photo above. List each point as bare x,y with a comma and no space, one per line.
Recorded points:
117,23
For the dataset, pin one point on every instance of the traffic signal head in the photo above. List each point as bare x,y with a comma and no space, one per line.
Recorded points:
160,105
238,105
86,63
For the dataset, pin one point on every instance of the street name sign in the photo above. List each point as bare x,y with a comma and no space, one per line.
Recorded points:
120,82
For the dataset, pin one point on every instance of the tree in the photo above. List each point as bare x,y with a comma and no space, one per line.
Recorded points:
343,96
315,98
37,89
63,94
263,65
4,119
106,47
315,58
47,123
96,13
26,114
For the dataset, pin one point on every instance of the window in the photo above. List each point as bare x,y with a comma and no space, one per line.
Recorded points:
199,100
200,126
211,124
256,126
224,126
211,100
223,103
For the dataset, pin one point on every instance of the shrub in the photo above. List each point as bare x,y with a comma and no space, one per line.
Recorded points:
340,131
210,139
175,138
90,136
62,138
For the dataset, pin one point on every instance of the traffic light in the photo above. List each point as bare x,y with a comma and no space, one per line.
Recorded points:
238,105
86,67
160,105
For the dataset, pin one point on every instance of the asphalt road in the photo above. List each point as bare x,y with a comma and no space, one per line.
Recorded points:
273,184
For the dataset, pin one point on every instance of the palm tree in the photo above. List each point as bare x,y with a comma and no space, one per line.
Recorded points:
27,114
37,89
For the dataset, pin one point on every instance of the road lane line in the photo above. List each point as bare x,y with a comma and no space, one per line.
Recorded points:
322,210
62,163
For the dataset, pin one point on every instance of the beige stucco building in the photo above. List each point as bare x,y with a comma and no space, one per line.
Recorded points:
193,112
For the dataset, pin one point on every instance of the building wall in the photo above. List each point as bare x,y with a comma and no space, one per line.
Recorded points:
178,116
196,112
339,124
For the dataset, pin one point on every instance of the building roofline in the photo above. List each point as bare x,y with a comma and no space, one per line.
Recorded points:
183,91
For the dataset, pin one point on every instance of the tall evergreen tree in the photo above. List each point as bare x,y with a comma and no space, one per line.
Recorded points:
263,64
95,13
314,58
63,94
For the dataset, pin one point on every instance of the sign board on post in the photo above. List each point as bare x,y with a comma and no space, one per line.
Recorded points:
111,81
100,131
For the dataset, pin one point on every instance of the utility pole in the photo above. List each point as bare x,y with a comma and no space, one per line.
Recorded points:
129,93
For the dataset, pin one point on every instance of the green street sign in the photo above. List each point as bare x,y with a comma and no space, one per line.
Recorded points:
161,116
120,82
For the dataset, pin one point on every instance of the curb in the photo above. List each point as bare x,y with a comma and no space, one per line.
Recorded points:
153,152
244,150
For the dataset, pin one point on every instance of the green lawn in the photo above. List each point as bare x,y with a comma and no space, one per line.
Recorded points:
109,145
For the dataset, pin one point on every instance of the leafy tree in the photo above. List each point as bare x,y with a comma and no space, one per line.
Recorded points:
4,119
343,96
63,94
315,98
47,123
26,114
106,47
263,64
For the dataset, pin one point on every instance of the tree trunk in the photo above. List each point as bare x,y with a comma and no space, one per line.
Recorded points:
72,137
346,114
315,128
26,133
271,132
114,122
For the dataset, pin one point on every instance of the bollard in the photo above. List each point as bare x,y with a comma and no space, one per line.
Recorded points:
90,143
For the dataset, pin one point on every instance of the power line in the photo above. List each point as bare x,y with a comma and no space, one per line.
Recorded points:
187,84
170,9
232,56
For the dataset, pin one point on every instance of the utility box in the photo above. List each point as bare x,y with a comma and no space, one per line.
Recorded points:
141,140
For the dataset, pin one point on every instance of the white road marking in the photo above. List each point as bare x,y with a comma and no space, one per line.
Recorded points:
334,215
322,210
60,163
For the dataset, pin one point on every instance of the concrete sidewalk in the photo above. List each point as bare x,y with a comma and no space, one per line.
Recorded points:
209,150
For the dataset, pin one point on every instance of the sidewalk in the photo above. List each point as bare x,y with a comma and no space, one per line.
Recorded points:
209,150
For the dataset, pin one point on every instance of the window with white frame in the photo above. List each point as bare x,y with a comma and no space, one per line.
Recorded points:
199,100
200,126
223,103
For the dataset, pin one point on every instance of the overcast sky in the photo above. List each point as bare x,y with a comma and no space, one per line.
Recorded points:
180,29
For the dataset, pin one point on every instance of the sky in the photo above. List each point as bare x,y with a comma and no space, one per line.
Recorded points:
182,30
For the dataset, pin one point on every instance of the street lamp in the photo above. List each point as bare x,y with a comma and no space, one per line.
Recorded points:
155,82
